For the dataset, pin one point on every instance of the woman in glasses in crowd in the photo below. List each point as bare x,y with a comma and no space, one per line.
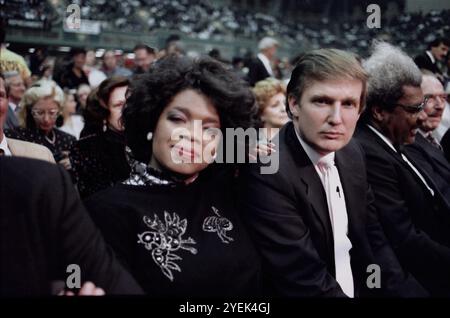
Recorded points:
174,222
98,159
39,116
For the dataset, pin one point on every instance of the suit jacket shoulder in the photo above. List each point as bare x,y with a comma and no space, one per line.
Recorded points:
432,160
46,228
257,71
445,143
27,149
423,61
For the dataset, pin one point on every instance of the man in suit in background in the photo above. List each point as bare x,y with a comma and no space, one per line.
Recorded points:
426,151
144,57
261,67
44,228
312,220
412,211
12,147
436,51
15,88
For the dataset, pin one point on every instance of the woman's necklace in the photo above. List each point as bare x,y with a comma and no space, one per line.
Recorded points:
51,141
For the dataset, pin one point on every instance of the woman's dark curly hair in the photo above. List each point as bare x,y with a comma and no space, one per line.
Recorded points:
97,102
153,91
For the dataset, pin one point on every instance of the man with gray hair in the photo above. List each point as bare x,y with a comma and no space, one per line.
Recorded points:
412,211
426,151
261,67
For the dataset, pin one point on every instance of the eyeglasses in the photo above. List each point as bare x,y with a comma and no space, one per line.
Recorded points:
442,97
39,114
414,109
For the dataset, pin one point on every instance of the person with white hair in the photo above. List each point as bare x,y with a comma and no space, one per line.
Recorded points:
41,108
261,67
411,207
426,151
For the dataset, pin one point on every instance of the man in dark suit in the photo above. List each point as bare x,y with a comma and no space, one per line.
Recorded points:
44,228
445,143
312,219
261,67
436,51
412,210
426,151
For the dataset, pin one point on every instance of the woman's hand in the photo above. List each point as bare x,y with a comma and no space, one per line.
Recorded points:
262,148
88,289
66,161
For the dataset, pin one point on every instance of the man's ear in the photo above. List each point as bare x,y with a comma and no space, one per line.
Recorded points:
378,113
293,106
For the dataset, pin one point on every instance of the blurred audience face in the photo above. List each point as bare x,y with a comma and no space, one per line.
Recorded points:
440,51
274,114
178,116
175,48
109,60
327,113
3,105
400,125
82,94
271,52
143,59
16,88
434,108
115,105
79,60
90,58
70,104
45,112
48,71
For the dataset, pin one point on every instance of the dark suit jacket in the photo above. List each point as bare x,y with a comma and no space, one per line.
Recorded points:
432,160
416,223
423,61
445,143
44,228
257,72
287,214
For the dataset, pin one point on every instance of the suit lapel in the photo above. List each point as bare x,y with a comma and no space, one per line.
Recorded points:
371,135
354,193
398,157
310,182
434,152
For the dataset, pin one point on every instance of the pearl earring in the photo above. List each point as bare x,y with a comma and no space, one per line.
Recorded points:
149,136
104,125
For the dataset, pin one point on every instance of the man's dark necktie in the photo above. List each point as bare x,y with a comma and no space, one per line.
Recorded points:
434,141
